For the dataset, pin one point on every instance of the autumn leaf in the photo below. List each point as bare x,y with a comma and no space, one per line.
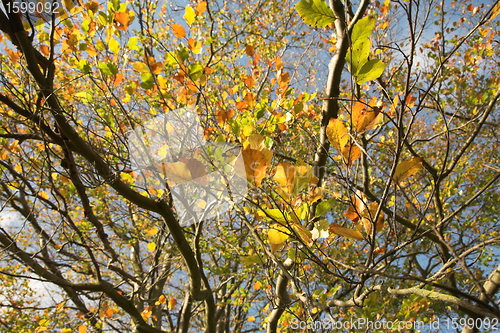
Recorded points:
162,299
350,153
200,8
495,11
82,329
172,303
337,133
151,246
257,285
367,217
304,234
177,172
345,232
407,169
255,165
251,319
141,67
249,50
124,19
285,173
364,117
190,15
277,234
178,30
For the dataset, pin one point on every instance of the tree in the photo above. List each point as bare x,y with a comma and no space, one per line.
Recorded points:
373,198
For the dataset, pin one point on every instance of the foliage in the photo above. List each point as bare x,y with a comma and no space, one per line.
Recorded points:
373,198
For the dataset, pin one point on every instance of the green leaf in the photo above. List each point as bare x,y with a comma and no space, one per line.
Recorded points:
316,13
84,66
358,55
325,206
132,43
251,260
370,71
195,71
183,52
108,68
363,29
273,214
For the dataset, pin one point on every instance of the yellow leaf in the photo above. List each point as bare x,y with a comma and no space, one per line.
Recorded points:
257,285
151,246
67,330
151,232
350,153
256,141
162,84
344,232
177,172
189,15
277,234
367,217
194,46
284,175
43,194
337,133
140,67
303,233
495,11
162,299
178,30
276,247
82,329
18,168
251,318
200,8
407,169
172,303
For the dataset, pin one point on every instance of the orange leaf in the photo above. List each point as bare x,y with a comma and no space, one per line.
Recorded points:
249,50
283,79
82,329
123,18
250,100
345,232
223,116
200,8
162,299
255,165
172,303
197,170
279,63
249,82
407,168
44,49
178,30
257,285
350,152
363,117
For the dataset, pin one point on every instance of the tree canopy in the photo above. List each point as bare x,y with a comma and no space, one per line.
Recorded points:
346,170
